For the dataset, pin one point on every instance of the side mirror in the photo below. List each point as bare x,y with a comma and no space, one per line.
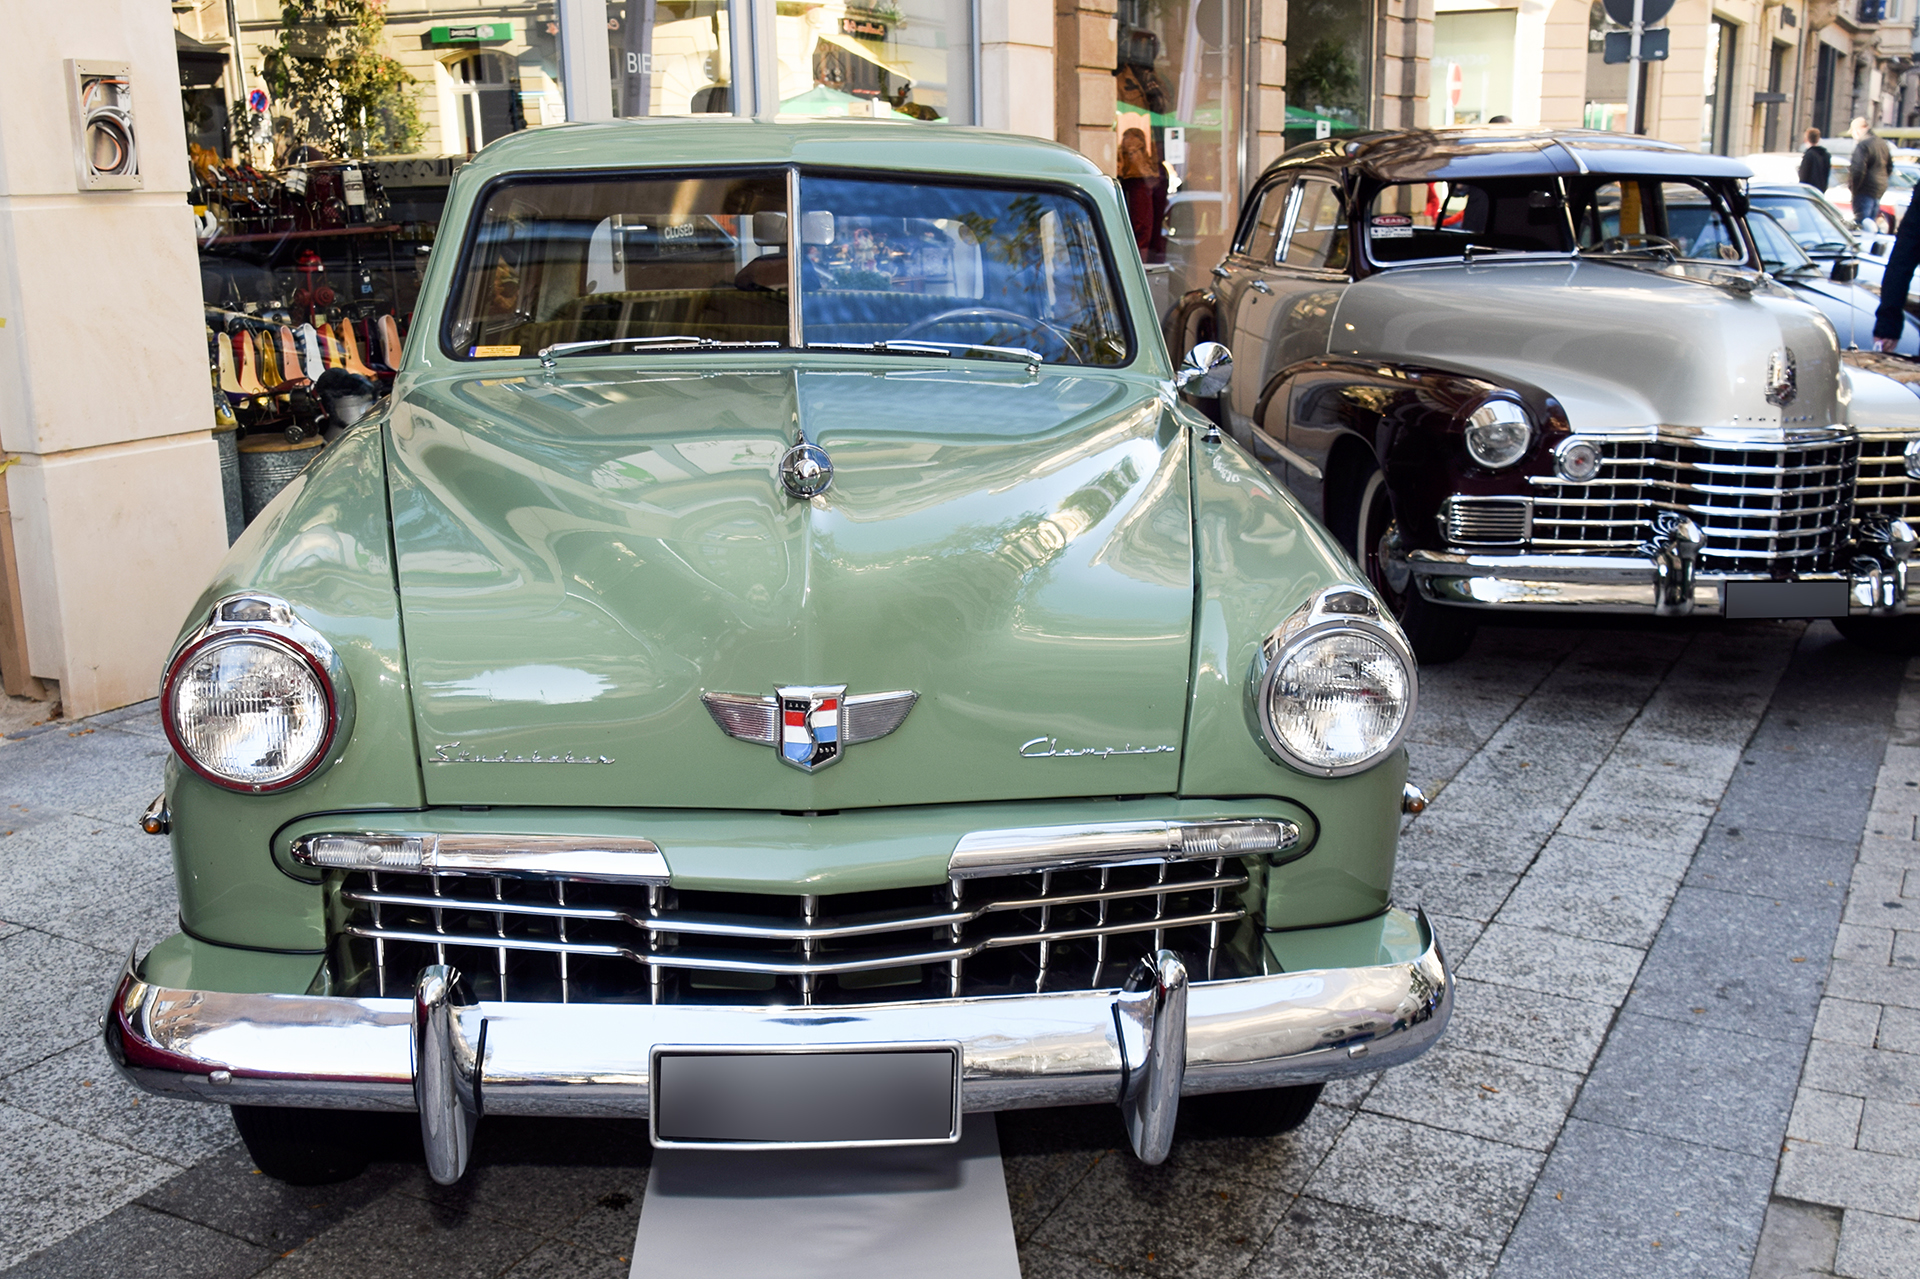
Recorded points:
1845,270
1206,371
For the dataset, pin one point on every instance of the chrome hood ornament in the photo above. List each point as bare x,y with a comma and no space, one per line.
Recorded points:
809,725
1780,377
805,469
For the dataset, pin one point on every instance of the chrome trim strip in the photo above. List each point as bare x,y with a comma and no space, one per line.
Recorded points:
593,1059
998,852
580,858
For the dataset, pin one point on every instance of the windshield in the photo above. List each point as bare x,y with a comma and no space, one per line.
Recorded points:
1597,215
1812,223
898,261
1778,253
690,262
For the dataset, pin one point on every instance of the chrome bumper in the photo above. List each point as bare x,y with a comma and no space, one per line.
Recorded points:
454,1061
1663,582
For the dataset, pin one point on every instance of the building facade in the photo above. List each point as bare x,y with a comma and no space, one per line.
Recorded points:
135,306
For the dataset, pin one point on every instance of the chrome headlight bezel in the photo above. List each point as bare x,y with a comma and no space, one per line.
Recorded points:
263,621
1340,609
1493,417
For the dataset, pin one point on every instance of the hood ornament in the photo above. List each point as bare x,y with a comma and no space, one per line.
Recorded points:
805,469
809,725
1780,377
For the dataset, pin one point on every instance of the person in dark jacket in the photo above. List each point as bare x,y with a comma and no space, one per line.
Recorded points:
1889,321
1816,163
1868,172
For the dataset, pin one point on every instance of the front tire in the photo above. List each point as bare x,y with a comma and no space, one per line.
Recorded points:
1437,633
1899,636
303,1147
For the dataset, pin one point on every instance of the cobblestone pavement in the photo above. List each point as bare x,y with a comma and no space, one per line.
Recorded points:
1638,856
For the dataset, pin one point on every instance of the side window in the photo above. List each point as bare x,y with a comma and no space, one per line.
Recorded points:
1263,233
1319,239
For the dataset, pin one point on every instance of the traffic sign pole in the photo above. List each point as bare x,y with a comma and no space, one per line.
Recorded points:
1634,66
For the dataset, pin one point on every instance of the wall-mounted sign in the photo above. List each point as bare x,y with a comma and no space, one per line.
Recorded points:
257,100
863,28
471,33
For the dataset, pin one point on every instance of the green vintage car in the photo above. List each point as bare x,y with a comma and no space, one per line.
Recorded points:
797,711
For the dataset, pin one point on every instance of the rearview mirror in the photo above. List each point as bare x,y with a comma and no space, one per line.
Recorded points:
816,227
770,228
1845,271
1206,371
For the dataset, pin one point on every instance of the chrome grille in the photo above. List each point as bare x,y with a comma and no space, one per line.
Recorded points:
1884,487
1761,507
1030,931
1485,521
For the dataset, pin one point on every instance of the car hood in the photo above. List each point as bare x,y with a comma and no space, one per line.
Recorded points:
1621,347
582,555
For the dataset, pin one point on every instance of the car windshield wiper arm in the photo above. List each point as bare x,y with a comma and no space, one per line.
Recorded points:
665,342
912,346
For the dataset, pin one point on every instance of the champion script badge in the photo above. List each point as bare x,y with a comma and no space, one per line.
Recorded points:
809,725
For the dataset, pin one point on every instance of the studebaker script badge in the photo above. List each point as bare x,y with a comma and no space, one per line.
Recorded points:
1050,748
455,753
809,725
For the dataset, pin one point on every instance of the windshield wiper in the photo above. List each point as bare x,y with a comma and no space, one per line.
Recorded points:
1473,251
912,346
665,342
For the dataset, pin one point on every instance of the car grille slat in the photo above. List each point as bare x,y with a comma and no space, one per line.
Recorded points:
1485,521
1033,930
1884,488
1762,508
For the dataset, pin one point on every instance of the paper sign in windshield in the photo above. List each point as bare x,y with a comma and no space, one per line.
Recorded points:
1391,226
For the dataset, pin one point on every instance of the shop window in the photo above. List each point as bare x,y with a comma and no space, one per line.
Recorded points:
1472,66
1716,116
1176,88
1329,68
671,59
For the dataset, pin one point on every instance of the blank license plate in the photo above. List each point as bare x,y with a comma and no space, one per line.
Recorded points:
856,1097
1786,599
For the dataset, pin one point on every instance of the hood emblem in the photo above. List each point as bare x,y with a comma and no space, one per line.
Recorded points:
809,725
1780,377
806,470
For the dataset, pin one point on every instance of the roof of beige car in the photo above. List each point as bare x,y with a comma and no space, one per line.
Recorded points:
1416,155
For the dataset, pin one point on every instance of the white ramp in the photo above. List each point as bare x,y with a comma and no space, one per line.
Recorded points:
933,1212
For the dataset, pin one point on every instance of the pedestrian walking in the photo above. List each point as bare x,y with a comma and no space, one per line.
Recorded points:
1889,320
1867,173
1816,163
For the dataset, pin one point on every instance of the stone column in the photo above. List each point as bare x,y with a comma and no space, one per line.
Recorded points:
1267,68
1084,34
1406,64
1016,67
115,499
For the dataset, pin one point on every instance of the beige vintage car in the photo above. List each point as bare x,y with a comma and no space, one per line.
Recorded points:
1548,371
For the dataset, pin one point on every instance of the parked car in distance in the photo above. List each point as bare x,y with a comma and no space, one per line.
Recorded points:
1782,168
1548,371
784,664
1821,231
1848,305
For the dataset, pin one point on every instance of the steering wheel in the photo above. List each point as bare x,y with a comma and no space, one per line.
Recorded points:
1628,243
1032,323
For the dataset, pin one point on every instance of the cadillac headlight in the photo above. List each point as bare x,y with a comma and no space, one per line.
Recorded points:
255,700
1333,690
1498,433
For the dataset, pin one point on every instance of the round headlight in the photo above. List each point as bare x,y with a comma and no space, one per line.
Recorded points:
248,710
1498,433
1333,688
